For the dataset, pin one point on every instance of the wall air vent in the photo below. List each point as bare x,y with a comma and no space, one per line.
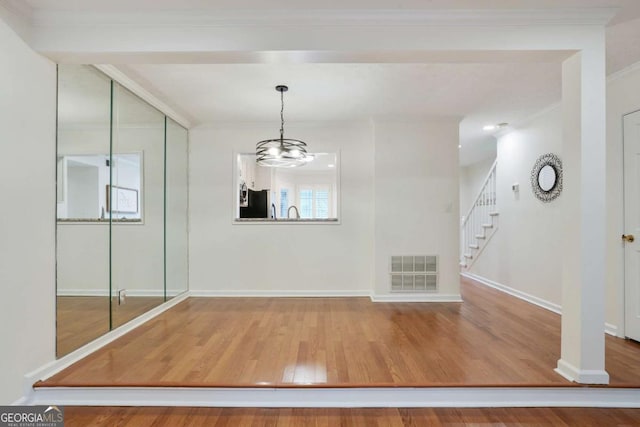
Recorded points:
414,273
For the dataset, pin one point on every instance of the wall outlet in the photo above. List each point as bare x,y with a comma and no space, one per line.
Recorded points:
122,294
515,187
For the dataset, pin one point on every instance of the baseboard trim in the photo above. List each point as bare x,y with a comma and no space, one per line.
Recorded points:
417,298
582,376
547,305
277,294
82,293
394,397
608,327
102,293
56,366
326,294
611,329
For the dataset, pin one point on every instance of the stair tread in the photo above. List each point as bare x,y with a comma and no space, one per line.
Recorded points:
494,213
480,236
474,246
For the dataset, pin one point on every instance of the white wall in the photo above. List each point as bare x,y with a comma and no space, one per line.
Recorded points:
82,187
525,253
411,166
471,180
315,258
27,182
416,197
623,96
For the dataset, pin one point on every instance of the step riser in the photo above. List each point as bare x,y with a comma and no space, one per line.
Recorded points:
375,397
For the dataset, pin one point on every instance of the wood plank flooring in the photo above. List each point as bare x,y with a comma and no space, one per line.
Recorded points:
388,417
490,339
81,319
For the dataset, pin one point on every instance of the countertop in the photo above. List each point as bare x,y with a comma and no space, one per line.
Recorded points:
287,220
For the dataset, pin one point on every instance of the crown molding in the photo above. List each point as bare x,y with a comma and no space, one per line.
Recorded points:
119,76
306,18
18,15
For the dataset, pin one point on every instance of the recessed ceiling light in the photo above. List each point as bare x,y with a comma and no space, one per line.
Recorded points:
459,146
490,128
331,166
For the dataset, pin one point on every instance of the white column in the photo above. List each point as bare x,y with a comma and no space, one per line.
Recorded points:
584,203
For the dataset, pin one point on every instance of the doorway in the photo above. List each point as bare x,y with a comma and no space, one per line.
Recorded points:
631,236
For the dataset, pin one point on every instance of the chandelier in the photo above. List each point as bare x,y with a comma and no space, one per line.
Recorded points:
282,152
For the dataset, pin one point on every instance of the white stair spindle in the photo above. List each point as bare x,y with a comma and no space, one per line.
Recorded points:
479,221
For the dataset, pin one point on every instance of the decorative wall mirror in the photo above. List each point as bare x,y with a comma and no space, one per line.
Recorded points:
546,177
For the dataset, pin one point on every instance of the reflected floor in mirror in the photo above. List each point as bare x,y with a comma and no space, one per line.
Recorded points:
81,319
490,339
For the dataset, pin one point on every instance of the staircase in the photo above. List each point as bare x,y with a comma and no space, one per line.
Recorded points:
480,222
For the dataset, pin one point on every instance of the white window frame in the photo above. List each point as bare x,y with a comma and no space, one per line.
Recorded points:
314,189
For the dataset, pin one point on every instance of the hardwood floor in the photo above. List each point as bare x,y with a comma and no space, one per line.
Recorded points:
81,319
389,417
490,339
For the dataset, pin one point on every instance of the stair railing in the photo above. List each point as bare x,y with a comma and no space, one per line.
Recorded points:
478,217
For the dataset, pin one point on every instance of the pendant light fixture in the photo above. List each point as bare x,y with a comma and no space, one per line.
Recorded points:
282,152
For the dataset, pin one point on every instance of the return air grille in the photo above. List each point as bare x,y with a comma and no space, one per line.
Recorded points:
414,273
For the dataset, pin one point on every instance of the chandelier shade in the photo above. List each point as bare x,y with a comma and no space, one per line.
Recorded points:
282,152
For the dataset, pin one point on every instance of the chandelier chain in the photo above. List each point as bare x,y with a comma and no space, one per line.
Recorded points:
281,115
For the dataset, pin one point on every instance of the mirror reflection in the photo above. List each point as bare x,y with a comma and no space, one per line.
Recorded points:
306,193
83,185
122,193
137,253
547,178
82,248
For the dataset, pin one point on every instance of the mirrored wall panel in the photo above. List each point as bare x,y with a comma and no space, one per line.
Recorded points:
122,194
136,205
84,126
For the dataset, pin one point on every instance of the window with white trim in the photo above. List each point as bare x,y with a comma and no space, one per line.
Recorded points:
315,202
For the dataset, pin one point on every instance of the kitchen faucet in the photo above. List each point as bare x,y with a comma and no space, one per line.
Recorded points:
289,211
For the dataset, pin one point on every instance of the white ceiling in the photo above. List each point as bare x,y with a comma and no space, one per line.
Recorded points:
476,93
479,90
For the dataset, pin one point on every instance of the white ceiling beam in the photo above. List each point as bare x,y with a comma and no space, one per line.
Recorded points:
325,17
309,36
